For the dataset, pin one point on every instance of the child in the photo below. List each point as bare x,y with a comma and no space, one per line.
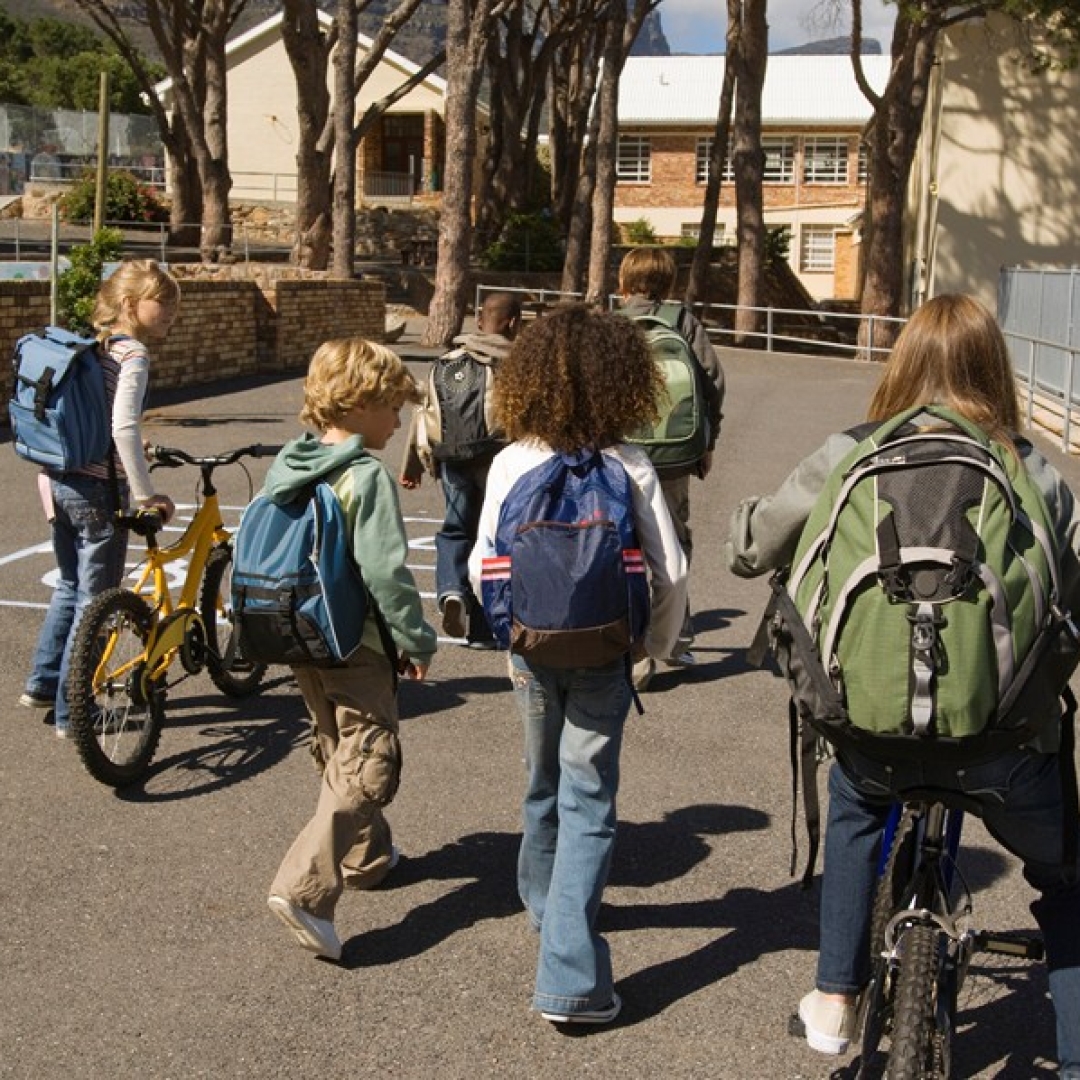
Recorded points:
950,353
578,379
353,396
136,304
462,470
646,279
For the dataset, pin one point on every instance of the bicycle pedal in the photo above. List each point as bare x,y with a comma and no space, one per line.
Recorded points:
1027,948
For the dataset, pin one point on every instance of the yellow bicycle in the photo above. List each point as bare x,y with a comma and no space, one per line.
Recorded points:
128,638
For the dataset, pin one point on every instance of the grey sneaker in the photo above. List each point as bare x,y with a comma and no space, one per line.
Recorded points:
602,1015
317,935
453,616
684,659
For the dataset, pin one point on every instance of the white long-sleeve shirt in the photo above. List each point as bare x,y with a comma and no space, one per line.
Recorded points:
664,557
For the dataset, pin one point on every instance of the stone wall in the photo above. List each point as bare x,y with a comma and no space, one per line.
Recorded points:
229,324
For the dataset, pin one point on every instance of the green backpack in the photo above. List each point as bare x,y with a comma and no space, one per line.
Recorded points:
680,437
921,615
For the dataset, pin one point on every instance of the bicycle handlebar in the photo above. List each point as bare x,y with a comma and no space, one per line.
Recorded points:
171,457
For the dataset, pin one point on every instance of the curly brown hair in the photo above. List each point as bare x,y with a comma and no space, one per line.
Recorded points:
577,377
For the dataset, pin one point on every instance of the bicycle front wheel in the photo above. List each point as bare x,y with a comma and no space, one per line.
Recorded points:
231,673
116,717
876,1007
920,1047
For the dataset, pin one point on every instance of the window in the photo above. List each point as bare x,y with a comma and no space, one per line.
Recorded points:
825,160
779,160
818,250
864,163
691,230
634,162
704,151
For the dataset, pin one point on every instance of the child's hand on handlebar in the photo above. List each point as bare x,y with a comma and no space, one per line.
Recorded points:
162,504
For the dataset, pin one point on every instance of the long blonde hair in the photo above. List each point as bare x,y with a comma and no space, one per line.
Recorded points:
135,279
952,352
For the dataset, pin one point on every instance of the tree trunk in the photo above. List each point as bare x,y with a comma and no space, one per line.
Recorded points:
308,50
698,284
622,29
607,142
344,245
892,139
576,263
468,27
748,160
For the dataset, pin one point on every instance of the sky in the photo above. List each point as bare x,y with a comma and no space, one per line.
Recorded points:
699,26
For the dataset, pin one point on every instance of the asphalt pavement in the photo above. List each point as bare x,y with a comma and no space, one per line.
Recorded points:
135,941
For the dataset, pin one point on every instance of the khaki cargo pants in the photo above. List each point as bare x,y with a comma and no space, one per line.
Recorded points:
347,843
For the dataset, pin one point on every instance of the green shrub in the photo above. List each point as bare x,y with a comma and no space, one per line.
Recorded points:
639,232
527,242
127,199
77,287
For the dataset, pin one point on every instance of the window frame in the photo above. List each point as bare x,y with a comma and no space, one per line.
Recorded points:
826,159
633,168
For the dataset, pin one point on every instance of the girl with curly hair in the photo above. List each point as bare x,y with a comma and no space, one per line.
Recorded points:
577,380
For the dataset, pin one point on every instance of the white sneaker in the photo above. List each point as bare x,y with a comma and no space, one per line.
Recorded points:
642,673
315,934
829,1024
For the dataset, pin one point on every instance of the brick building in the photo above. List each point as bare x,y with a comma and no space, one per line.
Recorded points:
813,115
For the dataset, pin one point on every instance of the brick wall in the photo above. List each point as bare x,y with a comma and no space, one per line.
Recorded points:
309,312
229,325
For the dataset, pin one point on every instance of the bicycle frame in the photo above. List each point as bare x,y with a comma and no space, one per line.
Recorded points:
174,622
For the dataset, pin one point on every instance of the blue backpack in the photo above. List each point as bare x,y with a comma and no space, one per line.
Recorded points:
59,408
567,585
297,593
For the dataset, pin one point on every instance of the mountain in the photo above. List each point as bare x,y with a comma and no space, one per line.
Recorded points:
837,46
417,40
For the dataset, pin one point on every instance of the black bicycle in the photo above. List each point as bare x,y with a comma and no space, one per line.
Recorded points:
922,941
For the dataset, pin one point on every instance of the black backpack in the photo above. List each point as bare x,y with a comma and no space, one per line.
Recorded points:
457,422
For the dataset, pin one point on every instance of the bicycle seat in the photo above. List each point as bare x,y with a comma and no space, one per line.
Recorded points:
948,797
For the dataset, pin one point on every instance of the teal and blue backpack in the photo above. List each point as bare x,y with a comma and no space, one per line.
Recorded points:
59,408
567,585
297,593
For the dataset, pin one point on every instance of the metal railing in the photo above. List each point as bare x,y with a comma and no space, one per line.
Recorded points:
780,323
1045,371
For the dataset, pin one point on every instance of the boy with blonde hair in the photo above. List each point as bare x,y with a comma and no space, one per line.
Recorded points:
353,396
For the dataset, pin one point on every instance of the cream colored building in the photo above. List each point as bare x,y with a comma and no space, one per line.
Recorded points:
400,158
997,178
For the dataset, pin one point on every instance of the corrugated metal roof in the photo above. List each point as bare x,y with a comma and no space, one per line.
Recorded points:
798,89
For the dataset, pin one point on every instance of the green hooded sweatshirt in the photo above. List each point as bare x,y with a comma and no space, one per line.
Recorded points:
369,498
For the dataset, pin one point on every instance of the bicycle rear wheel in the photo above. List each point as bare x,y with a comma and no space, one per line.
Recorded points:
116,718
921,1031
231,673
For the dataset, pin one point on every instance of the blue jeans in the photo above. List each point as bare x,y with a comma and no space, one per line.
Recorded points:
573,734
90,550
1020,794
463,487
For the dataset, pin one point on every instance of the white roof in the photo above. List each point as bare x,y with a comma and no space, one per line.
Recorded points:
271,28
798,90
